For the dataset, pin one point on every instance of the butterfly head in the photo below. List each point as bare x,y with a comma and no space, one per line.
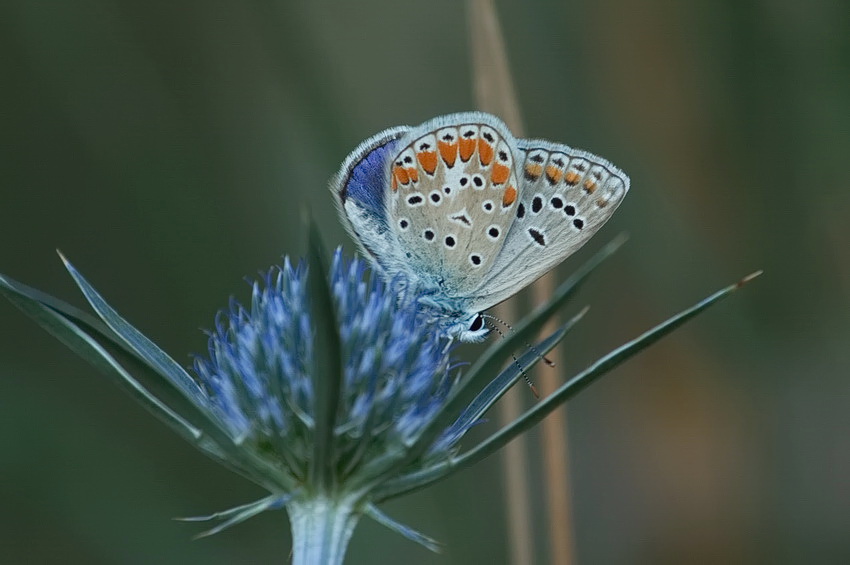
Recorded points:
454,319
467,327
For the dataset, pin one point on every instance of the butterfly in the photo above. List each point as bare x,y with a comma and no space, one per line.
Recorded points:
468,214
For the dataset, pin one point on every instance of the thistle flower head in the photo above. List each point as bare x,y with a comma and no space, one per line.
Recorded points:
259,377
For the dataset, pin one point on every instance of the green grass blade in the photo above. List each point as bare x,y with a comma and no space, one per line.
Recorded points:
327,368
586,377
429,543
407,484
240,514
134,363
83,320
71,335
138,342
497,387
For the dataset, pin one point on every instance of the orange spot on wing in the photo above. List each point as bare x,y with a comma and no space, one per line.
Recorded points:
428,160
413,174
448,151
589,186
467,148
485,152
554,173
571,177
509,197
500,173
401,174
533,170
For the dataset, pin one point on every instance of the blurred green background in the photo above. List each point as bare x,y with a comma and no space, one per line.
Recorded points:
168,149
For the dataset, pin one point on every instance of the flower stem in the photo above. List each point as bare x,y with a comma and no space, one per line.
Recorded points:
321,528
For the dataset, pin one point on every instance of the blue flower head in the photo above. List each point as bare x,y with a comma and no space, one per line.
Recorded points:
259,376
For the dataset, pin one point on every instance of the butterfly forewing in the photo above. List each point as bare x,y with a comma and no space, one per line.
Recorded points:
566,196
454,194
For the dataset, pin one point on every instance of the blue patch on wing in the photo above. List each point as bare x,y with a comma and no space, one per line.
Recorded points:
367,181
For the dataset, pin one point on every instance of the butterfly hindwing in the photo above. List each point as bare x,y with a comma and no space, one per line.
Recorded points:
566,196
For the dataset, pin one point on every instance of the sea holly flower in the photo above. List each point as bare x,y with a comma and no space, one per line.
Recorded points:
332,389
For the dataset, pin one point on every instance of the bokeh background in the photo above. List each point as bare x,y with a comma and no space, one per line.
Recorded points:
168,148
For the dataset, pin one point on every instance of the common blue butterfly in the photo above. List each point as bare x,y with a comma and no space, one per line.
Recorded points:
470,215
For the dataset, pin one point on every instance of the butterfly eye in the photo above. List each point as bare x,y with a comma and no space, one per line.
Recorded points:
477,323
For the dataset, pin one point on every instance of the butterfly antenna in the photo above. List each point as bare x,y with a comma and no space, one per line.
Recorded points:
531,347
516,361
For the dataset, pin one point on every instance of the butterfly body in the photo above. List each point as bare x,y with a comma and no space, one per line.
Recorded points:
469,215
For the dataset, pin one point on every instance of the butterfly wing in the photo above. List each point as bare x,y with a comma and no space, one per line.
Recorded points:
361,191
462,207
566,196
453,198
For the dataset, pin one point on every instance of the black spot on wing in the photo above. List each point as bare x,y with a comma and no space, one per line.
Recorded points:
537,236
